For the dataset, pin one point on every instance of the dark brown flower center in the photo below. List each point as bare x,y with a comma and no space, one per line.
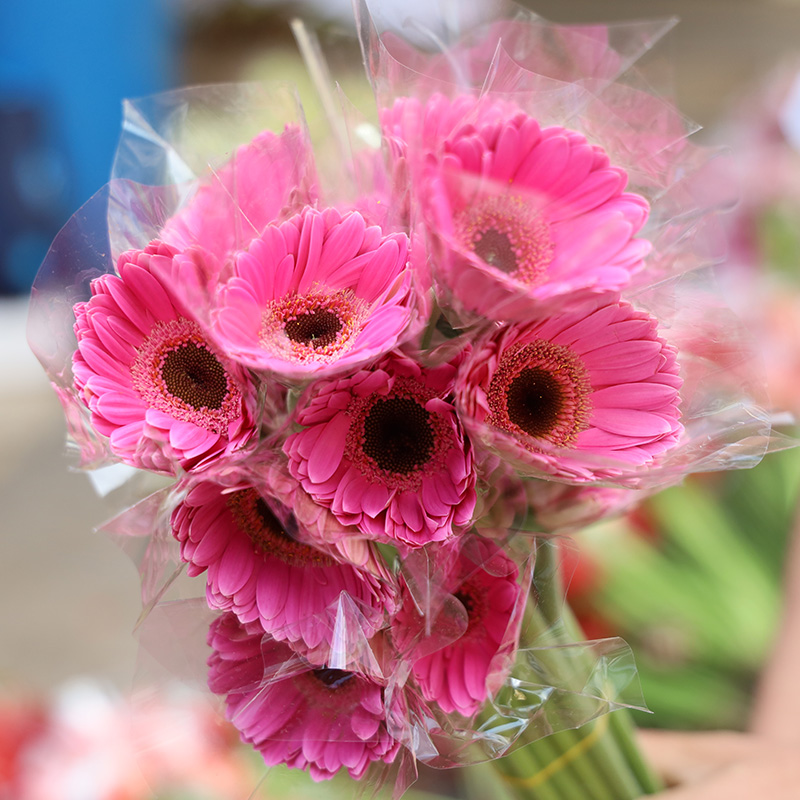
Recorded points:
192,373
332,678
534,401
473,597
398,435
269,536
541,390
509,233
316,328
495,248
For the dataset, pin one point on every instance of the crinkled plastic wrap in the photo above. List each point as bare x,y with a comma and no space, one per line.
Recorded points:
342,421
465,611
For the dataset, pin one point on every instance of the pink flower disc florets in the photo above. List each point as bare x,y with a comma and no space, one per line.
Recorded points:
509,236
317,327
176,371
541,390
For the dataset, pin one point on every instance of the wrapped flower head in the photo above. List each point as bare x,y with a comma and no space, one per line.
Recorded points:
316,294
586,394
233,204
456,676
384,450
263,573
154,383
520,209
306,717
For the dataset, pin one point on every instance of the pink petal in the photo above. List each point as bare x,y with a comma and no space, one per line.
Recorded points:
325,458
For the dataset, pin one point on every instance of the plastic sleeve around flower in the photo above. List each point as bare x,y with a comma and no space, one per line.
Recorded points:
457,47
539,679
231,536
708,384
101,327
182,135
79,255
238,157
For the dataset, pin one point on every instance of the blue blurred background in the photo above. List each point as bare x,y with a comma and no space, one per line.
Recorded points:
64,69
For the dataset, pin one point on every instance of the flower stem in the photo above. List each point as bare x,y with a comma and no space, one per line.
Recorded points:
596,761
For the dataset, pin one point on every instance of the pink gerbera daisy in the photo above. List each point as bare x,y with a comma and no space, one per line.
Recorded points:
259,568
456,676
319,293
293,713
154,383
590,393
384,450
233,204
521,211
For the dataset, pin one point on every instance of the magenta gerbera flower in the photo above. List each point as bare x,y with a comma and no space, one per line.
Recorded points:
590,393
155,384
456,677
517,210
522,210
257,566
319,293
384,450
293,713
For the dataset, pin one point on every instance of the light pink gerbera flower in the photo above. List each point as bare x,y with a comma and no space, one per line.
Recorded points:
319,719
517,210
259,568
590,393
384,450
153,382
317,294
521,210
236,202
456,677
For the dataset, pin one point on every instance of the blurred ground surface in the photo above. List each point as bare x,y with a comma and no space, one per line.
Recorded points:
69,597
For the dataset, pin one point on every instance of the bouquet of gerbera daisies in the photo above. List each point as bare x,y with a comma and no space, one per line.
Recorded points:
372,401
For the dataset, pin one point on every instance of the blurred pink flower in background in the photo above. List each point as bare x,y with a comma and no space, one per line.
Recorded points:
95,746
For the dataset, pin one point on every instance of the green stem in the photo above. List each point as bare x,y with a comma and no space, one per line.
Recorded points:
427,336
597,761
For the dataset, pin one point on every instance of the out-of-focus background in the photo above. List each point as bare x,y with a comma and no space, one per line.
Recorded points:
69,597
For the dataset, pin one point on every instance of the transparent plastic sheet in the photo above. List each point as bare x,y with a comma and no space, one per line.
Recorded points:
461,45
79,254
182,135
325,599
579,78
723,419
538,683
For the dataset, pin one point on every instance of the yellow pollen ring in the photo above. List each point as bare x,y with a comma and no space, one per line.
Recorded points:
568,756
